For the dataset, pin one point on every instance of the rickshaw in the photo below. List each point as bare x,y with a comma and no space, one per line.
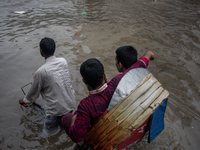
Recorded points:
136,108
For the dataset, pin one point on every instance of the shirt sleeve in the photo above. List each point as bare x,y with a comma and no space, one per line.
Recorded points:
34,91
78,131
143,62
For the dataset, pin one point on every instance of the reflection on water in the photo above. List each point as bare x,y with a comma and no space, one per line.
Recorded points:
170,28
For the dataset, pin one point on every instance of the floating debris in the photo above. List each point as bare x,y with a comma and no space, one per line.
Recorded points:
84,14
19,12
86,49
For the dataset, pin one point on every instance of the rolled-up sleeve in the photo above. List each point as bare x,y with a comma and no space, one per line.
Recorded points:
145,61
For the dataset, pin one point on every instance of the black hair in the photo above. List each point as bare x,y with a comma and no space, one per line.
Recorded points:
126,55
47,46
92,72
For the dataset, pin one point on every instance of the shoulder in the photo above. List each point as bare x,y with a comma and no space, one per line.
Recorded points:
114,82
89,101
84,102
116,79
40,70
141,63
62,60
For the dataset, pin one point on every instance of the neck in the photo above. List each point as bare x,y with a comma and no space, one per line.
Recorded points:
98,87
90,89
47,56
123,69
98,90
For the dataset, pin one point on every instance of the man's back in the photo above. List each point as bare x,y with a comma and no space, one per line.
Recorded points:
52,81
55,86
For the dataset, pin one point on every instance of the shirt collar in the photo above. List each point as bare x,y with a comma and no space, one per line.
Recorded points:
103,87
50,58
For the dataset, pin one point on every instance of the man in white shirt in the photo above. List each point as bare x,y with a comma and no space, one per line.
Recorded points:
52,81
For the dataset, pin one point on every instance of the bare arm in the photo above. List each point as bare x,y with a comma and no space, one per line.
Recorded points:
149,55
73,120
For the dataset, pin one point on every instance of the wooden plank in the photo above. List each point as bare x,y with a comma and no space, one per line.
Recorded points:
142,82
159,100
114,139
98,134
141,119
152,97
131,99
151,109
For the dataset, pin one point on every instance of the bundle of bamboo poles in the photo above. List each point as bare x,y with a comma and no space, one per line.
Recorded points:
133,110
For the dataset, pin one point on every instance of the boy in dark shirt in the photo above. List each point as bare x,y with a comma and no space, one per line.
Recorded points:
93,107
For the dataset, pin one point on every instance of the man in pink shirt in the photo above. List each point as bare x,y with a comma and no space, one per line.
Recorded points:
93,107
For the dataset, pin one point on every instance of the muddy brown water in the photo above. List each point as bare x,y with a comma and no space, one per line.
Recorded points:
169,28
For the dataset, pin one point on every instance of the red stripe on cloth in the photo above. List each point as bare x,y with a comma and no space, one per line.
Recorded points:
145,61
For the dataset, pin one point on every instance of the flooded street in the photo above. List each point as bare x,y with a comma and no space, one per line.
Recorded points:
169,28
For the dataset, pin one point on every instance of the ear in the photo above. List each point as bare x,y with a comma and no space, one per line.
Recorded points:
84,81
42,54
104,76
121,67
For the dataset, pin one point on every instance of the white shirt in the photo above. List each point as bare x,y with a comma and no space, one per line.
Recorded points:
52,81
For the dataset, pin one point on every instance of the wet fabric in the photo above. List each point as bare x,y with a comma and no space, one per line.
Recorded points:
156,123
51,123
52,81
